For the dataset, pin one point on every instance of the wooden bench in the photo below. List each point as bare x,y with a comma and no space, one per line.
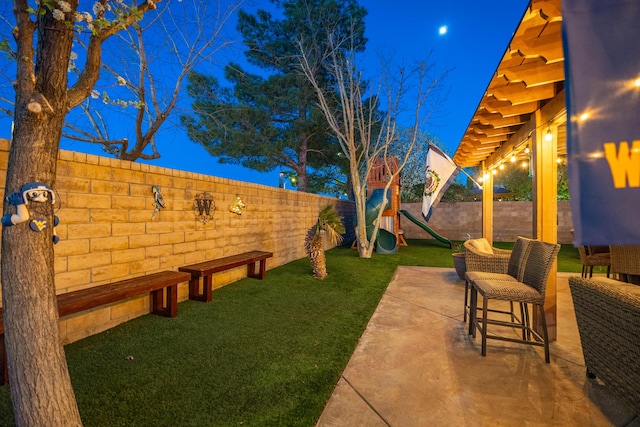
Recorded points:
207,268
85,299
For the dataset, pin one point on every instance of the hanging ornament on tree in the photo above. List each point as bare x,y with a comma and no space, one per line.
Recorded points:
35,203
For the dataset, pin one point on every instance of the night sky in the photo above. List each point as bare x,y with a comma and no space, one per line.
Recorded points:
477,35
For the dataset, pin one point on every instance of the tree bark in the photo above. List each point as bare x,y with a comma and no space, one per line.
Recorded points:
39,379
40,385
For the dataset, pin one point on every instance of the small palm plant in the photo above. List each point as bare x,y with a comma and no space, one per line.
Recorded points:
329,226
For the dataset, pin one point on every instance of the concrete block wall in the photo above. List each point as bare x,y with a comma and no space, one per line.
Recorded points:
510,219
107,232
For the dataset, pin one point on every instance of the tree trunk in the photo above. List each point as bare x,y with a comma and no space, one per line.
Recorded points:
39,380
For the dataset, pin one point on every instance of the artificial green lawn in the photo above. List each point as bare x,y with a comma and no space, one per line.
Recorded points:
260,353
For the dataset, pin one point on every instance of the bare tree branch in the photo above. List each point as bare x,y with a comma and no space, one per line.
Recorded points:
363,131
192,36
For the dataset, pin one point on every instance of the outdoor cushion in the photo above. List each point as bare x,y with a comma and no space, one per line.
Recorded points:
481,245
508,291
472,276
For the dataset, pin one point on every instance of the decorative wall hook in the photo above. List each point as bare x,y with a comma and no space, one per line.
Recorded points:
204,207
237,206
33,202
158,200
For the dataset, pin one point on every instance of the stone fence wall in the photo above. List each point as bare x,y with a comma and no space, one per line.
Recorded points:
108,232
510,219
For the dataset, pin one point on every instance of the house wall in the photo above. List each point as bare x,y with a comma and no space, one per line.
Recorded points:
107,232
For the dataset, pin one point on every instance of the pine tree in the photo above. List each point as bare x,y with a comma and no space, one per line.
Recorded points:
271,120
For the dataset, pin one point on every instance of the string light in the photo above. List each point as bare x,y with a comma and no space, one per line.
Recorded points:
523,146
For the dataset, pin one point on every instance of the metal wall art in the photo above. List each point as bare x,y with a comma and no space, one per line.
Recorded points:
204,207
158,200
237,206
35,202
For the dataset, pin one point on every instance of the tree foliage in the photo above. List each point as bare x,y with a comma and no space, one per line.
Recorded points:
413,174
517,182
270,119
457,193
563,182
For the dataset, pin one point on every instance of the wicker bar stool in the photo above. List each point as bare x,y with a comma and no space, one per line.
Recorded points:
486,262
531,290
591,256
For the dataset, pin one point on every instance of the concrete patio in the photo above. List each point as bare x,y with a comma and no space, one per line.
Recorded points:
415,365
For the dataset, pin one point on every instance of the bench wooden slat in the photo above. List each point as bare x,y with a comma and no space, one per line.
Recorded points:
206,269
85,299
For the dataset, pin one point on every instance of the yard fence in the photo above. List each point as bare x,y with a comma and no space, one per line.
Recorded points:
108,230
510,219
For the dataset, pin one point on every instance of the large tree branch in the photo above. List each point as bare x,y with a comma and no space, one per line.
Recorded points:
23,34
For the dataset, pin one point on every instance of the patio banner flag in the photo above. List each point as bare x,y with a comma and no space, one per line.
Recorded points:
602,73
440,173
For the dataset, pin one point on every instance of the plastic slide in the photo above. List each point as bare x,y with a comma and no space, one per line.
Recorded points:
426,228
386,242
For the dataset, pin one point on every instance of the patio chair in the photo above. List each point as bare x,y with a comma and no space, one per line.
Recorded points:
530,290
591,256
625,263
486,262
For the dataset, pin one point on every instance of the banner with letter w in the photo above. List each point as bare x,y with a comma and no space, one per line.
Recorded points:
602,83
440,172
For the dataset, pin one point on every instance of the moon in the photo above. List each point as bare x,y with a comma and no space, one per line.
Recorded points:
443,30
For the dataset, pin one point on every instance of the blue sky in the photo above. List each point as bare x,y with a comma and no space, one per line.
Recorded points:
477,37
478,33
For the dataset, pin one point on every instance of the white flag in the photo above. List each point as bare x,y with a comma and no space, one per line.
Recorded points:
440,173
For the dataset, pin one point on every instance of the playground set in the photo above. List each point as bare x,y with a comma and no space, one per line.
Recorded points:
390,234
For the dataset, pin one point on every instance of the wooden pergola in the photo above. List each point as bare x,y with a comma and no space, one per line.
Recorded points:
522,118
